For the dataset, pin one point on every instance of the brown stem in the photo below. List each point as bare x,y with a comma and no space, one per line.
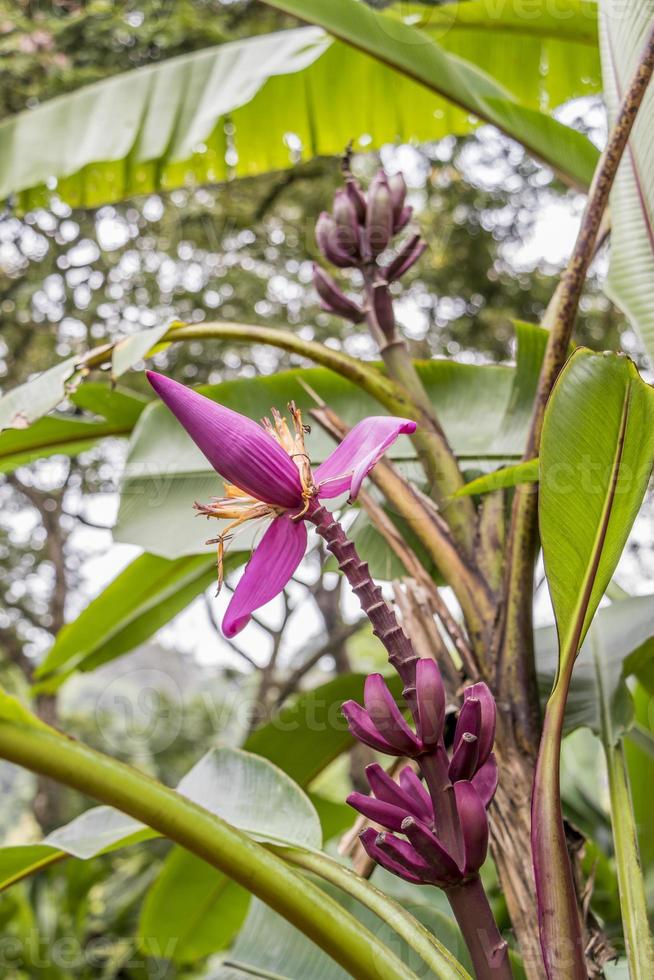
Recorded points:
335,638
428,529
431,530
516,670
488,951
510,827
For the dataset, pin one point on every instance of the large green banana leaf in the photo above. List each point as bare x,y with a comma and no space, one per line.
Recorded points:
624,27
301,92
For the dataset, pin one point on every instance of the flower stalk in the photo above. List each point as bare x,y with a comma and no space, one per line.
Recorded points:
384,622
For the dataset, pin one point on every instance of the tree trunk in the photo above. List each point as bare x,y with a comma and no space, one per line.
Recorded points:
510,825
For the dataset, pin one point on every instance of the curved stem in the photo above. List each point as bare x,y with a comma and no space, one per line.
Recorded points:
489,952
433,953
633,904
558,909
306,906
429,526
387,392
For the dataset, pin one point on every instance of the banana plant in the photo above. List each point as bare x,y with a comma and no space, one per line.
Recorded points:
564,440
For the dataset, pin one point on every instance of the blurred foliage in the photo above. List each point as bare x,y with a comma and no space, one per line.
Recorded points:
51,48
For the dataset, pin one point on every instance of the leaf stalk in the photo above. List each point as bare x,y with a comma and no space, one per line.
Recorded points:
323,920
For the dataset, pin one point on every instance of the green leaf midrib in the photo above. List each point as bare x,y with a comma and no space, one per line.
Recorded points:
574,635
96,431
254,971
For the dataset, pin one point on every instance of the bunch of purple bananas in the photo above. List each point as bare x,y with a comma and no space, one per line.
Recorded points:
358,230
437,832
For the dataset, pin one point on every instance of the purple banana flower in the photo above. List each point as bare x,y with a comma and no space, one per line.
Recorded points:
268,477
439,834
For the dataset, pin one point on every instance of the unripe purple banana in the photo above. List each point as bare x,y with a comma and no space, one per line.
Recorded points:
334,299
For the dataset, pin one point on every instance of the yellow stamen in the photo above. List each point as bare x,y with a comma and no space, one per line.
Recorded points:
238,507
228,508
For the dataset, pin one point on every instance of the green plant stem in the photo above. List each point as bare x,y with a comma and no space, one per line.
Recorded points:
306,906
440,463
438,460
558,909
514,644
433,953
369,378
633,904
488,951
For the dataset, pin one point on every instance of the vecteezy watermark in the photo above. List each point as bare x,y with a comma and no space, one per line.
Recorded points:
142,709
145,710
408,23
38,952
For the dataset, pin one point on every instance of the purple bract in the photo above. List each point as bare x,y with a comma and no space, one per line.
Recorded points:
435,833
268,477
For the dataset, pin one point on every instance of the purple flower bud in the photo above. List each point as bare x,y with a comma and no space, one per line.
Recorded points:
379,216
363,728
369,841
347,225
402,220
485,780
460,788
385,788
357,197
334,299
430,696
404,855
385,814
327,238
387,717
469,721
464,758
481,693
406,257
444,869
474,826
421,803
397,188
